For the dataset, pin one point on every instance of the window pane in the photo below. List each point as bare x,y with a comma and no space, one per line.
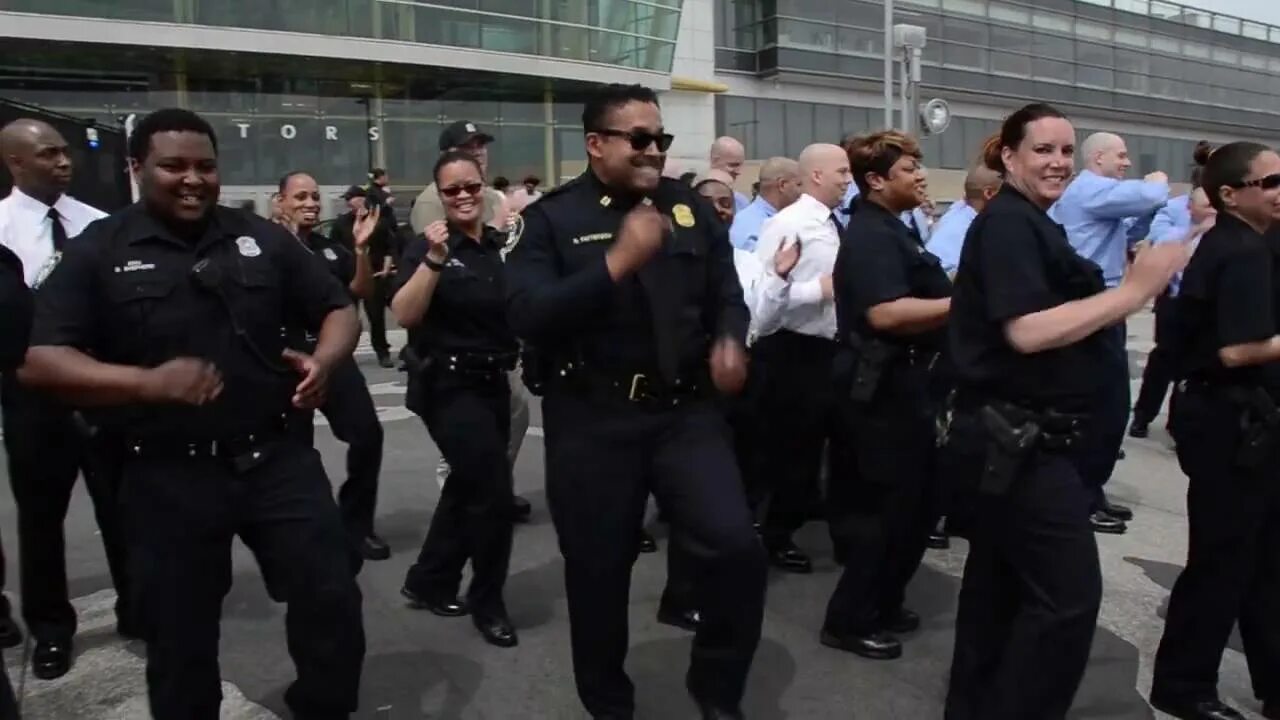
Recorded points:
1094,76
769,116
1012,14
1094,54
826,124
965,31
740,121
1093,30
860,120
1052,69
809,36
1052,46
1164,43
856,41
964,56
799,127
1002,62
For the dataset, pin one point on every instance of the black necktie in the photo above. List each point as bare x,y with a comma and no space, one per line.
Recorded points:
914,227
59,232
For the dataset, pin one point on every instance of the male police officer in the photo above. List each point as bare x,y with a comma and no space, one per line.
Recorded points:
625,282
15,329
166,319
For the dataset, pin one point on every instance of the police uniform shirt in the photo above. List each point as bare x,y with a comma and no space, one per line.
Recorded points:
562,299
1228,297
882,261
468,309
1016,261
798,305
337,260
27,230
16,307
132,293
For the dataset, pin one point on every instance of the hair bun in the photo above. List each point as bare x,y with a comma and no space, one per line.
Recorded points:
992,155
1200,156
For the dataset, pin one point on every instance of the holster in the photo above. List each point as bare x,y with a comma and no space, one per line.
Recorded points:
873,360
1008,447
535,370
1259,428
415,362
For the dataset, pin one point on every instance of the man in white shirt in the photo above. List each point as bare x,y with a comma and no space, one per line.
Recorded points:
795,322
46,444
728,155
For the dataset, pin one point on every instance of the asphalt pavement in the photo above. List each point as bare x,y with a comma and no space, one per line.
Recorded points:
422,666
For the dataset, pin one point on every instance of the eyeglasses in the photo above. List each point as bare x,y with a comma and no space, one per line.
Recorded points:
641,140
1270,182
454,191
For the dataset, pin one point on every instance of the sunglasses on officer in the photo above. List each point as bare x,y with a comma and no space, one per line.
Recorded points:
641,140
1269,182
454,191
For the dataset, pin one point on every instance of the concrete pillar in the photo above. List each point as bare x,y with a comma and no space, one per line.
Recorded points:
691,115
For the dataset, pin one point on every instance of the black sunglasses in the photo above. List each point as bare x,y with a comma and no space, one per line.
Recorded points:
456,190
641,140
1270,182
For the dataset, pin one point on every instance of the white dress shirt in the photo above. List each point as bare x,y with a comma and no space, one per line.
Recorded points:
750,276
796,304
27,229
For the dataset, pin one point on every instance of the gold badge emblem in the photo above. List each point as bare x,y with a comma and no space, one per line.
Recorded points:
683,215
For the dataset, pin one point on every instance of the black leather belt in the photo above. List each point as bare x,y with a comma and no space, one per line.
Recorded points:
1058,430
247,449
640,389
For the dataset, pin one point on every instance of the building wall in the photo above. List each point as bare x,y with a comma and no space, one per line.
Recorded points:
690,115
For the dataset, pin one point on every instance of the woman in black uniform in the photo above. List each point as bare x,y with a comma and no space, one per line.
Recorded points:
1024,342
348,406
892,301
451,293
1224,421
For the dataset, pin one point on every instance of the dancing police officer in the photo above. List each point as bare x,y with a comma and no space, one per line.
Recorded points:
624,281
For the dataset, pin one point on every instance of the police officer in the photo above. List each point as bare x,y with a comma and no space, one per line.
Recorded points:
16,306
348,406
1227,427
451,292
892,300
382,249
1026,316
166,318
624,281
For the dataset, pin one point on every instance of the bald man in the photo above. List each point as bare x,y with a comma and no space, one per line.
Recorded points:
779,187
796,328
947,238
1104,215
44,442
727,154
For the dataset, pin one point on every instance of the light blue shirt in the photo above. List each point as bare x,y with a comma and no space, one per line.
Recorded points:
918,214
1104,216
1171,224
740,201
946,240
745,230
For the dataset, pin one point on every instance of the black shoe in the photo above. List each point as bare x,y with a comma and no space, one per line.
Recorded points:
10,633
1120,454
51,659
520,509
688,619
442,607
374,548
876,646
791,558
905,621
1212,709
1271,710
939,541
1119,512
712,711
647,543
1106,524
385,362
496,631
1139,429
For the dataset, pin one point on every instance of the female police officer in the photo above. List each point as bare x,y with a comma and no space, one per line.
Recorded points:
1025,316
892,300
348,406
452,291
1224,420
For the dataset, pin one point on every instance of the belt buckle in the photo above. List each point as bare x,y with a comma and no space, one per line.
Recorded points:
636,380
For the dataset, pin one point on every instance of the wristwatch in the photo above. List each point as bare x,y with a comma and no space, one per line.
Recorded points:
432,264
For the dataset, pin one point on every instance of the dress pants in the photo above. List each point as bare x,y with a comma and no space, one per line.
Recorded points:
354,420
375,309
519,426
604,458
47,448
796,409
1096,458
1233,560
181,515
1158,374
469,420
1029,598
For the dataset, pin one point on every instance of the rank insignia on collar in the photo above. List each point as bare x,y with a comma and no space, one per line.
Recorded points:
682,215
606,201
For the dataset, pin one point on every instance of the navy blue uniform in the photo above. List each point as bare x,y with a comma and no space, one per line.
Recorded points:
628,411
1230,295
194,477
1021,654
16,306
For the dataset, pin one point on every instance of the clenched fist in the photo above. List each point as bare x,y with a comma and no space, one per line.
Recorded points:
183,381
639,239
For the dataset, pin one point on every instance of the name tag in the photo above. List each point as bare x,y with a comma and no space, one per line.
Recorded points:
593,238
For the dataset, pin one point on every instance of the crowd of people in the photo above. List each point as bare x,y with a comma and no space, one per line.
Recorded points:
822,349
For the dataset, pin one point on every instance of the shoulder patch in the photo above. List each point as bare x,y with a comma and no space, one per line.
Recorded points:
248,246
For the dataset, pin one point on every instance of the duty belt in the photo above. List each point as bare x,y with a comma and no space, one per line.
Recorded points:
245,450
1058,430
479,365
637,388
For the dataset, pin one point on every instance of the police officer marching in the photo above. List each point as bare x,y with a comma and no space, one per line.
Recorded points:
1227,426
892,300
1027,344
625,282
166,320
348,405
451,294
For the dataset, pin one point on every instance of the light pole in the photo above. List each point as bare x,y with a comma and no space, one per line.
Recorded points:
888,64
909,41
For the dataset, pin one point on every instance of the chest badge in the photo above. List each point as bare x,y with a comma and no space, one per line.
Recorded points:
248,246
514,233
682,215
330,255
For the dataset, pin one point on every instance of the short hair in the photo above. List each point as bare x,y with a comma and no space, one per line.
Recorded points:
500,183
878,153
285,178
531,180
1013,131
688,177
167,120
376,173
608,98
450,157
1228,165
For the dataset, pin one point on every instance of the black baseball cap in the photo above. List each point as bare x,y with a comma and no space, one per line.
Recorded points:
461,133
353,191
